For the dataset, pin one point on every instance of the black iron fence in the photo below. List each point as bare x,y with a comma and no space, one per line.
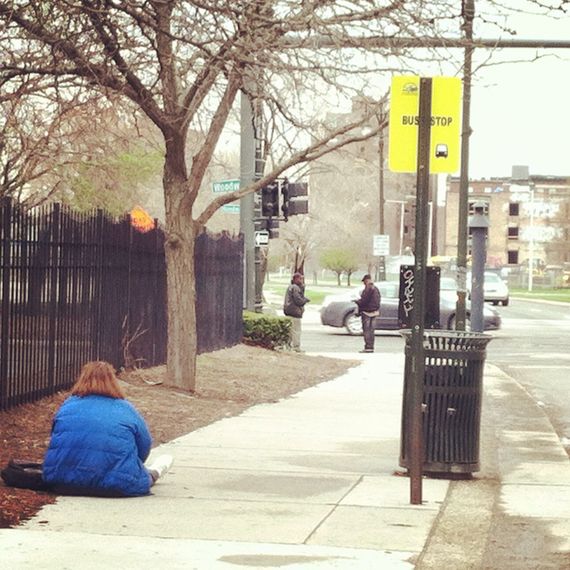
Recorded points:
76,287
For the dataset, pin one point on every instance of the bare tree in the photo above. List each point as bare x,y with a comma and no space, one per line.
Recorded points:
299,241
71,147
182,63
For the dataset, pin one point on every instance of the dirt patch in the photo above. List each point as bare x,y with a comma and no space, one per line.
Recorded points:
229,381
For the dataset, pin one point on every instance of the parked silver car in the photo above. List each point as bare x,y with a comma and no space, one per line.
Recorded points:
340,310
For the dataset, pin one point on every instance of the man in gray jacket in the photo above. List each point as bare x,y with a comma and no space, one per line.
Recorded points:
294,306
369,309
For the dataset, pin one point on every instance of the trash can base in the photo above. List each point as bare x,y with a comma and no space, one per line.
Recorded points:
446,467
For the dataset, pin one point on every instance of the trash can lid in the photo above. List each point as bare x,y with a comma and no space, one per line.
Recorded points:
447,339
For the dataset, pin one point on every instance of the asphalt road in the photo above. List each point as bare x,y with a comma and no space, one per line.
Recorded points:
533,347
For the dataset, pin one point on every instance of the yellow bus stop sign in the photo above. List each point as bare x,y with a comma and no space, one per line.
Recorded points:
445,124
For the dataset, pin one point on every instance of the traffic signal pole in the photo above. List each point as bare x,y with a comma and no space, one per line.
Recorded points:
247,203
250,170
252,166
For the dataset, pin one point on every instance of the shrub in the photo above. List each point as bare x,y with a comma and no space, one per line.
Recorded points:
266,330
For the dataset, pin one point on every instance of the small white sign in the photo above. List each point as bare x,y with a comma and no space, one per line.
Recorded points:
262,238
381,244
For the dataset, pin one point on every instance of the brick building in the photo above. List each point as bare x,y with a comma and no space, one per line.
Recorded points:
533,212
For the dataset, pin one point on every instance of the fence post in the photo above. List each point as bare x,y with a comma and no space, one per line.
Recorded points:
156,269
5,232
98,292
126,329
53,292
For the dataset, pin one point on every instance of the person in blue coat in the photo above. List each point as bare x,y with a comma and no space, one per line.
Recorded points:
99,441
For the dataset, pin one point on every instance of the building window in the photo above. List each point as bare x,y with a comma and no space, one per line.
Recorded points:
485,207
513,209
513,232
513,257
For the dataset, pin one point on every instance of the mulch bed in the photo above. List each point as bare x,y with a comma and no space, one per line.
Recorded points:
229,381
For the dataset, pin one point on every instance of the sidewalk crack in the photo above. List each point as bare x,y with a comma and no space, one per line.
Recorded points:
332,510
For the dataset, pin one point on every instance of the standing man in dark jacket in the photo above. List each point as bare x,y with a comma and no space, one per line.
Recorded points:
369,308
294,306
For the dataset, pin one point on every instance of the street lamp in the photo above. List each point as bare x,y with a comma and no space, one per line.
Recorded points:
531,240
521,182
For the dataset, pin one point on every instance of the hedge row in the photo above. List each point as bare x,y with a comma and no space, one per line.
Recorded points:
266,330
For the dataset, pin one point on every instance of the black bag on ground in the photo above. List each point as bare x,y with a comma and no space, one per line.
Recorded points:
24,475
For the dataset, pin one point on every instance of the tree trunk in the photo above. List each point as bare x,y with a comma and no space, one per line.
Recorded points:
181,279
181,289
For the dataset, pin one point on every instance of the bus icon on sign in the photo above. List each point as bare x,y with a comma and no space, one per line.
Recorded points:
410,89
441,151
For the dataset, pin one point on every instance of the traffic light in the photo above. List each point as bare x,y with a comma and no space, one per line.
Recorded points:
295,199
270,200
270,225
285,199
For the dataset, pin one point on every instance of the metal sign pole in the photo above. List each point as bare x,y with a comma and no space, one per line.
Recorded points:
416,446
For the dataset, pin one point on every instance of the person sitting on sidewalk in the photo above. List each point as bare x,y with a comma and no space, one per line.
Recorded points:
294,307
369,309
99,441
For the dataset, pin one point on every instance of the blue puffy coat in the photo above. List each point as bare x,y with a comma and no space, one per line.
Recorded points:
99,443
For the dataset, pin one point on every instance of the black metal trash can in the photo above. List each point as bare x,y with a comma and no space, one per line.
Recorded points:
453,387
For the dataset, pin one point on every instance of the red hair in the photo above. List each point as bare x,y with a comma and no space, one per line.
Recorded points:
98,378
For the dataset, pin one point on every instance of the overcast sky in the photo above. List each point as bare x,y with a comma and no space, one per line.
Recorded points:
521,111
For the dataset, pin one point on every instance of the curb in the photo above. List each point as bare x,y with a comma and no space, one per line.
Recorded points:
543,301
462,535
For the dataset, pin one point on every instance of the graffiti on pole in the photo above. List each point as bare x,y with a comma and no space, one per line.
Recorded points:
406,304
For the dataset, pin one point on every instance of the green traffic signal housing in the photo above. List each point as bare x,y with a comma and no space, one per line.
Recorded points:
284,197
290,205
270,200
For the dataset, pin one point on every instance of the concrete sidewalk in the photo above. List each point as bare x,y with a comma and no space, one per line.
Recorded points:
308,482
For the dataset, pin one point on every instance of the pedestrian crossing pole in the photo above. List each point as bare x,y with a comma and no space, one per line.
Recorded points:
415,442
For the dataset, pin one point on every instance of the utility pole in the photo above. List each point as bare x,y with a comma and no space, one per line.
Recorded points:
381,259
383,120
468,12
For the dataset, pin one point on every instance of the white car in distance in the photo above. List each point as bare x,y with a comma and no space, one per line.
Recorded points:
495,290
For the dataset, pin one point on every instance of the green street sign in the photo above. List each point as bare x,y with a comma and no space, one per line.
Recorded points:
230,208
225,186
